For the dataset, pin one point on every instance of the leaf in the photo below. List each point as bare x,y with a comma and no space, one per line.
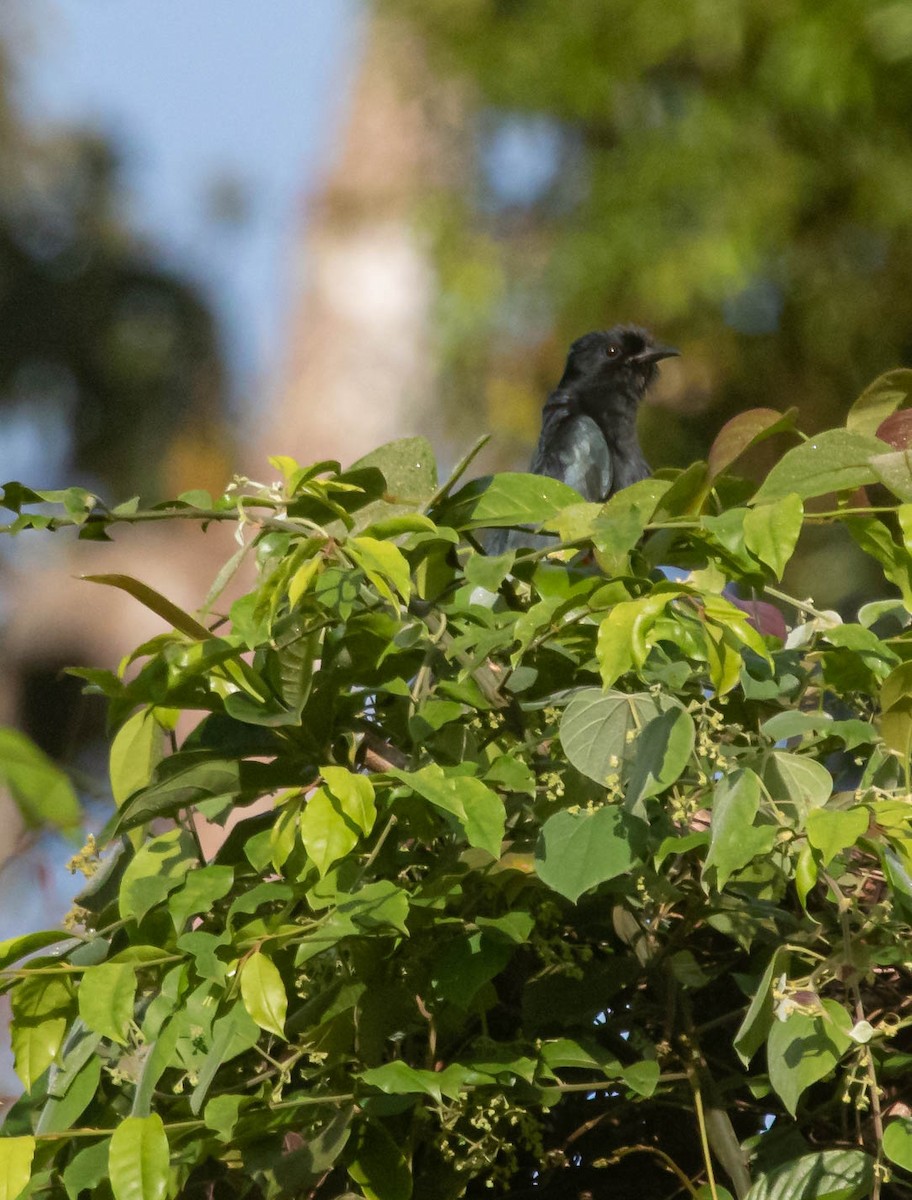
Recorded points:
135,752
496,501
797,778
734,839
159,604
477,808
897,1138
832,830
106,993
894,470
199,891
355,794
884,396
42,792
663,750
87,1169
642,1077
578,851
399,1079
41,1007
830,462
383,564
409,468
746,430
378,1165
601,735
138,1159
263,993
15,948
16,1154
327,833
804,1049
158,867
758,1020
466,964
62,1112
823,1175
622,636
771,531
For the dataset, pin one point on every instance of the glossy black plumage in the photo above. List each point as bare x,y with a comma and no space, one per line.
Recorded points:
589,436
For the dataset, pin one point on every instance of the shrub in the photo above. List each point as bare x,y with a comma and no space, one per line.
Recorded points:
581,876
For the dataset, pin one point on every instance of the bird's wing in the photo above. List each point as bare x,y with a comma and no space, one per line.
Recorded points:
572,448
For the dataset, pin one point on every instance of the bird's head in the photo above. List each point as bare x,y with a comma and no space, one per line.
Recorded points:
621,360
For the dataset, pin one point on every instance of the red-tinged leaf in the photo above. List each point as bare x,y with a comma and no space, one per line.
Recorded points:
745,430
884,396
896,430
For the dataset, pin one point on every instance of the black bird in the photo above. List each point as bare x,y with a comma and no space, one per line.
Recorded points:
589,437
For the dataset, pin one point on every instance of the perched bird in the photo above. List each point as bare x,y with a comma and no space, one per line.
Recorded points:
588,437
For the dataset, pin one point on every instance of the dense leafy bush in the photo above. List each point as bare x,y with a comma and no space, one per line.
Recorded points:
582,877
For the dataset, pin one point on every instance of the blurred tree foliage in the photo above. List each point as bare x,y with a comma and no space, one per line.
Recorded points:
735,172
97,336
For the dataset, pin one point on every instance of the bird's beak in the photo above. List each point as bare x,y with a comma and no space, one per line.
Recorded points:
655,353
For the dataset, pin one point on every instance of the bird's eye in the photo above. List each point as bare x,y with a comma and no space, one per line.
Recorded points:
612,350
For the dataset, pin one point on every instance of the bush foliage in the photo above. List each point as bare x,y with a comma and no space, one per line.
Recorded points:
583,875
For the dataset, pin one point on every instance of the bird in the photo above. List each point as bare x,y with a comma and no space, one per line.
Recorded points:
588,435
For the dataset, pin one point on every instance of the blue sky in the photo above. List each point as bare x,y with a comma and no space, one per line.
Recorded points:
192,92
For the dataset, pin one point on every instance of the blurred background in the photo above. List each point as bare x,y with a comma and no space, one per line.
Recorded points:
230,229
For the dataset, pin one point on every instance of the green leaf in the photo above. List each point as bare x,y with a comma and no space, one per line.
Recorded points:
41,1007
798,779
327,833
478,809
746,430
383,564
496,501
622,637
894,470
884,396
663,750
199,891
221,1115
771,531
467,963
42,792
824,1175
106,994
138,1159
16,1154
734,839
642,1077
355,794
897,1138
63,1108
87,1169
830,462
409,468
758,1020
159,604
832,830
15,948
604,735
578,851
263,993
158,867
378,1165
399,1079
804,1049
135,752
